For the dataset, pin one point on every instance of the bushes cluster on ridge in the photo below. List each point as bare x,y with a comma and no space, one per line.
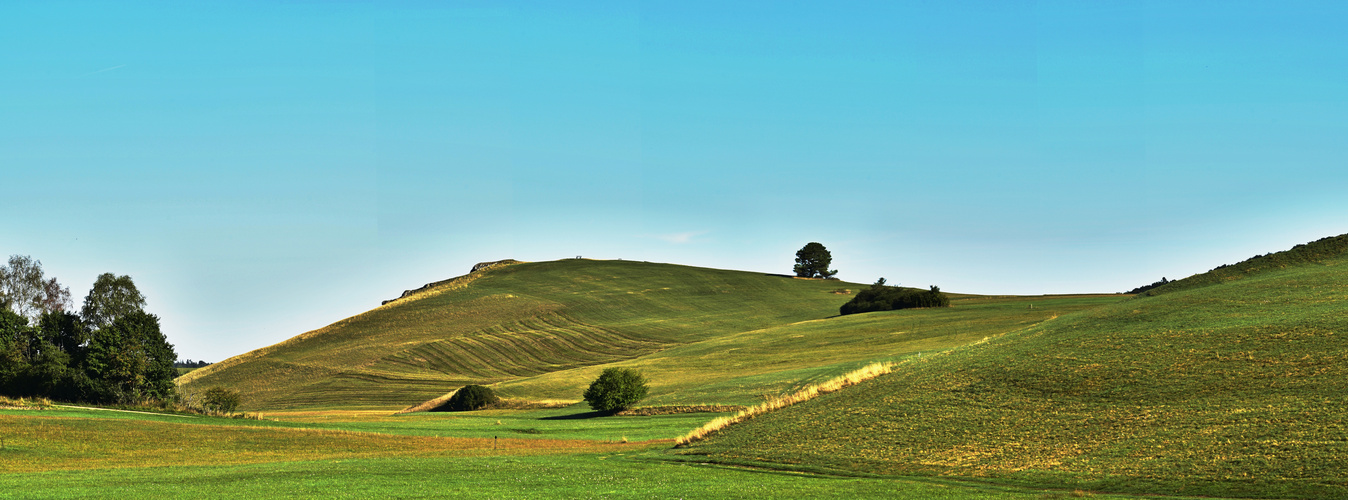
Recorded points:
1313,252
1144,288
887,298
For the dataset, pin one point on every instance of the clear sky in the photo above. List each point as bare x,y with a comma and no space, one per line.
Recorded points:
261,169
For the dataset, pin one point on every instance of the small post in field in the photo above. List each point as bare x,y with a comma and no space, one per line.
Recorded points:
493,443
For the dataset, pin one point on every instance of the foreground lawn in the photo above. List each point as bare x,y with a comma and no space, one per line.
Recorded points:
579,475
72,453
48,443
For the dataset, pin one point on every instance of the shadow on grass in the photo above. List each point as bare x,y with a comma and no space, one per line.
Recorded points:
579,416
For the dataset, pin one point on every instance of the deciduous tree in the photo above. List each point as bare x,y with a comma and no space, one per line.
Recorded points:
55,298
23,287
110,298
616,389
130,360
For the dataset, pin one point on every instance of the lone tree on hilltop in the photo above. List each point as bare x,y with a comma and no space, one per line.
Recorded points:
812,262
616,389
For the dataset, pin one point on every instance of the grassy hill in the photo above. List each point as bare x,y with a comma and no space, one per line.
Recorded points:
741,368
542,331
1231,383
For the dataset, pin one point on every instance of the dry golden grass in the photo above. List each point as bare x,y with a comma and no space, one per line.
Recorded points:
809,392
429,404
24,403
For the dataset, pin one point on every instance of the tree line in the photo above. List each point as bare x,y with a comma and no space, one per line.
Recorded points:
111,351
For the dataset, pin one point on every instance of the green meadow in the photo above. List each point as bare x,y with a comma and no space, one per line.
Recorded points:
70,453
1218,387
1228,384
539,332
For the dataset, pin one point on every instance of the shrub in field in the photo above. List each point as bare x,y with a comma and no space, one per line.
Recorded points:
220,399
470,397
616,389
887,298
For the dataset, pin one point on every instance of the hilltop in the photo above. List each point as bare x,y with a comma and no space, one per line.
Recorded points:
1315,252
541,331
513,321
1232,382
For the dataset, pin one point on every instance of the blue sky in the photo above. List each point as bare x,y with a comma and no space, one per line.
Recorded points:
261,169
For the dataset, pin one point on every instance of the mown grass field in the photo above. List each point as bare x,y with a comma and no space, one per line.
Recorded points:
1227,384
343,454
541,331
742,368
1236,386
514,321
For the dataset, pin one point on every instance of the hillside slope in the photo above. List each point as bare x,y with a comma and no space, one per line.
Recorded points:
542,331
510,322
1238,387
742,368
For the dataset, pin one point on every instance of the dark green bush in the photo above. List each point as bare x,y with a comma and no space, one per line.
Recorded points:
616,389
469,398
220,400
887,298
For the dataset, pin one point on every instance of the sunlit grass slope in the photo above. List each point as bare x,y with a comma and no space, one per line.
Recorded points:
1238,387
744,368
510,322
543,331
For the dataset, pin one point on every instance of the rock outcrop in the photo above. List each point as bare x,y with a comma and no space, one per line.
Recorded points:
480,267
